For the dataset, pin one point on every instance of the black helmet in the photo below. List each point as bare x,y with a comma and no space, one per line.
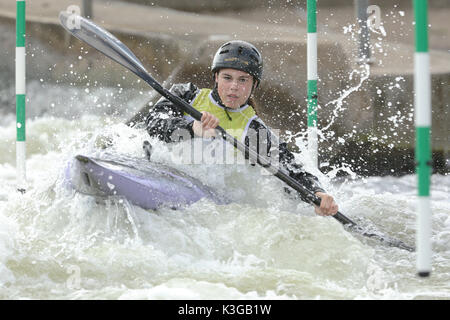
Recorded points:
239,55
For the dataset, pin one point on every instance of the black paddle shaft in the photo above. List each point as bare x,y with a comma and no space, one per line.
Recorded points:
254,156
106,43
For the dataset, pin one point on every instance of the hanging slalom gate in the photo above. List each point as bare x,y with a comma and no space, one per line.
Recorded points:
422,103
20,96
312,81
422,106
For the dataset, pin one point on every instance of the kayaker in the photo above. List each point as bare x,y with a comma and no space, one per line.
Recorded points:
237,70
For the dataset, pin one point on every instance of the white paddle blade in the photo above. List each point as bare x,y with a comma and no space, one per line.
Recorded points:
102,40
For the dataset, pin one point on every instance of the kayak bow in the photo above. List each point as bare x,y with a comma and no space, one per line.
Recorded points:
146,184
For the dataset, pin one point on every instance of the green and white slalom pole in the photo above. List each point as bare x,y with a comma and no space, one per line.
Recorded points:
422,108
20,96
312,80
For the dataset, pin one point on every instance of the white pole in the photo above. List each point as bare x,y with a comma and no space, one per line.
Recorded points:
20,96
422,107
312,81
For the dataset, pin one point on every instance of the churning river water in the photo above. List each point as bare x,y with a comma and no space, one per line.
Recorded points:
58,244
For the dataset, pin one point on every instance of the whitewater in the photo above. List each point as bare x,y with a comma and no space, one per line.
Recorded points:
56,243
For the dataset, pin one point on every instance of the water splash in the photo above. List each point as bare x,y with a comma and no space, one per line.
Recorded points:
363,72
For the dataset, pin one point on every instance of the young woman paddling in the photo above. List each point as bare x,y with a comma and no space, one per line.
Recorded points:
237,69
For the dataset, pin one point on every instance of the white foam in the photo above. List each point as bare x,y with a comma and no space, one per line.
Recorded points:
7,248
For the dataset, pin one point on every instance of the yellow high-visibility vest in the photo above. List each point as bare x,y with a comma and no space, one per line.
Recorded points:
240,118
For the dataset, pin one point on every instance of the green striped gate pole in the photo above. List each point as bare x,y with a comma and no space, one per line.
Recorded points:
422,108
20,96
312,80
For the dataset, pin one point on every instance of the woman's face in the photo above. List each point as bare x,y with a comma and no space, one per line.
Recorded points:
234,87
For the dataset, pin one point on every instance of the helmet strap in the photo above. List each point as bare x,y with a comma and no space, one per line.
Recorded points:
216,96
